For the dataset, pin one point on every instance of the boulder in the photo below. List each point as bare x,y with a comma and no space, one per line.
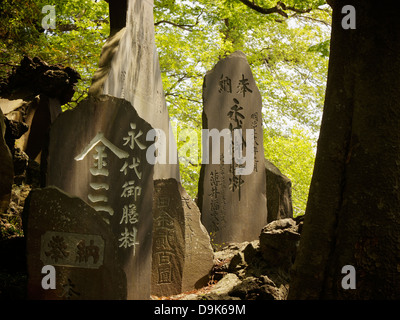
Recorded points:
258,288
31,98
257,270
278,243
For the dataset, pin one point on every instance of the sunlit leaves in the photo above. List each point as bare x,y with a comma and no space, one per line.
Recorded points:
81,29
291,76
294,155
288,57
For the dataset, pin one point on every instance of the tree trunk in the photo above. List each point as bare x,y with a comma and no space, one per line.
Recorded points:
353,211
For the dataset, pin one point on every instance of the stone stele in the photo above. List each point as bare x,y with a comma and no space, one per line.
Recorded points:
182,253
233,206
97,152
129,68
65,233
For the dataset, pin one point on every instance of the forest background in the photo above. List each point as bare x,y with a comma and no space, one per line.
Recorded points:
286,44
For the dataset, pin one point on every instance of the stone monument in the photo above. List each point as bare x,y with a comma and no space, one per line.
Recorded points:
129,69
232,189
66,234
182,253
97,152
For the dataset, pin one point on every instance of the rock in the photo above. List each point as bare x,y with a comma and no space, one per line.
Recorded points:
232,196
237,262
31,99
129,69
34,76
243,271
198,251
222,289
223,259
279,193
278,243
253,288
14,131
21,161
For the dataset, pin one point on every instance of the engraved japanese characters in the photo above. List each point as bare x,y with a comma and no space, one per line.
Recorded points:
182,253
66,233
101,158
232,191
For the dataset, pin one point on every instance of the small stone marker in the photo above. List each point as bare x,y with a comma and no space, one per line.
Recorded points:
67,234
97,152
168,239
182,253
232,195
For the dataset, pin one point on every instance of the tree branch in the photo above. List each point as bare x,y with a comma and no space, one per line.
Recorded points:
314,19
176,95
187,27
8,64
71,26
279,8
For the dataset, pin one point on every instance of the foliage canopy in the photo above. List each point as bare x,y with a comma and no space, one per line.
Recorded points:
287,45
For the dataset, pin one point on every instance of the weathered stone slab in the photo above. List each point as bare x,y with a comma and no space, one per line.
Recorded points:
182,253
198,250
129,69
279,193
233,203
66,233
168,239
97,152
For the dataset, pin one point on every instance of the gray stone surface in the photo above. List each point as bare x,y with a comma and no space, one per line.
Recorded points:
233,206
198,251
182,253
279,193
129,69
168,239
279,241
97,152
64,232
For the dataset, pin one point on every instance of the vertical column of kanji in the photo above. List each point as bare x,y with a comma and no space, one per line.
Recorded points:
103,161
134,220
232,193
168,239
